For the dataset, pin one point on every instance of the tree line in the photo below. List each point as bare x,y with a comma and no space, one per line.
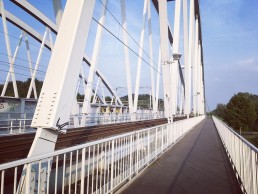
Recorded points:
241,112
23,86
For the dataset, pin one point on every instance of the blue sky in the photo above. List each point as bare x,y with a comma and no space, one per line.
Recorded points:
230,42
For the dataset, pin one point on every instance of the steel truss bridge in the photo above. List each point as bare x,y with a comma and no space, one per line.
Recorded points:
94,49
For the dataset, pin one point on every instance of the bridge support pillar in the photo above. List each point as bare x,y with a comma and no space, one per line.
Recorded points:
165,59
56,98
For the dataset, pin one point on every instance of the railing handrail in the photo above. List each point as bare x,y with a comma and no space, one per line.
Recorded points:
74,148
6,120
239,136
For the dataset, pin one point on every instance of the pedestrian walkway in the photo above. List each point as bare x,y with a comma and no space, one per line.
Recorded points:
197,164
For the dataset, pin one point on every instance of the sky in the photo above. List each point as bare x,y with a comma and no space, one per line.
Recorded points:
230,43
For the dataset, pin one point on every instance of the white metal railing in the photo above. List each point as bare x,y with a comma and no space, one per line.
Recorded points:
19,125
243,156
95,167
109,118
15,126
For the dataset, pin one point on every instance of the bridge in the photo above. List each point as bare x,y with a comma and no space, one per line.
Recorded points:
94,100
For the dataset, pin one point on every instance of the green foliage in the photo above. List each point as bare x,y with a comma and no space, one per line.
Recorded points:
240,112
143,101
23,87
220,111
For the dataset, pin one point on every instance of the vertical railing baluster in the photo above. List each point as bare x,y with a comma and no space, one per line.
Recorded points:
83,170
15,180
2,181
39,177
70,172
48,173
76,171
112,165
88,170
63,179
56,174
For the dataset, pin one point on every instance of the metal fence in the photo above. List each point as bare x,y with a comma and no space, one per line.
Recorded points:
109,118
243,156
10,125
102,166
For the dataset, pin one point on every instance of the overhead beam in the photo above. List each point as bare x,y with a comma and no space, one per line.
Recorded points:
170,36
37,36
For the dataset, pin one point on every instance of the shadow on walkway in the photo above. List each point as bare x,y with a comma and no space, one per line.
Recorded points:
197,164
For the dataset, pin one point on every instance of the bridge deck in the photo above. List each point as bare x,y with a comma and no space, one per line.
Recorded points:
197,164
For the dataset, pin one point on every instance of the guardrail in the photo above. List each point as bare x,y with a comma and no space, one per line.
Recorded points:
242,155
109,118
15,126
11,126
102,166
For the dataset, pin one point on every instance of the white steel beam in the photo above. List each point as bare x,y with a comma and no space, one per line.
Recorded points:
25,27
155,109
151,56
139,63
57,95
30,64
127,62
103,92
165,58
9,52
11,64
195,78
96,90
57,4
47,31
191,58
25,5
199,96
175,64
92,70
37,36
186,59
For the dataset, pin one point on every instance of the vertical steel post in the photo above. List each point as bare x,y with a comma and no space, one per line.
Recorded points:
57,5
174,66
188,50
37,63
157,84
195,78
127,62
151,56
165,58
9,52
139,63
95,55
191,57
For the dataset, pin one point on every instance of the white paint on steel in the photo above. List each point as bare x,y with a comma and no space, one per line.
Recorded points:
151,57
242,154
30,64
195,65
187,63
175,65
95,56
37,62
124,156
126,55
9,52
139,62
55,99
165,58
157,84
57,4
191,58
